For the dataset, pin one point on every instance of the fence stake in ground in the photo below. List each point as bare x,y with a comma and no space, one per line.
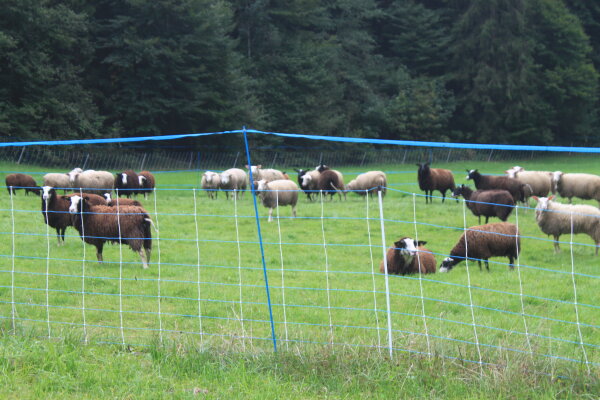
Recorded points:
385,266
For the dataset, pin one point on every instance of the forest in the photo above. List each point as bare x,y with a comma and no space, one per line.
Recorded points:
482,71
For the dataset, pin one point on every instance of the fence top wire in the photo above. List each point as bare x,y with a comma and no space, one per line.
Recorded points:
410,143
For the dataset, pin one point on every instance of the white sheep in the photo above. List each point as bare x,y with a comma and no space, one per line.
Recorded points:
211,182
93,181
371,181
233,179
309,182
540,182
584,186
268,174
558,219
58,181
281,192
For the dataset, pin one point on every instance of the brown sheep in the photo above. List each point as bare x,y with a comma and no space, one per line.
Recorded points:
408,256
489,182
431,179
330,183
21,181
120,201
127,183
147,183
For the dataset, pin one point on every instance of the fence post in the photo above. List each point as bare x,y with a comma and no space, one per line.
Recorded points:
386,278
21,155
260,241
86,160
236,158
143,161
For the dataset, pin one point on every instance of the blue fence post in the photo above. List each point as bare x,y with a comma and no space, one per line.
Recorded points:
260,241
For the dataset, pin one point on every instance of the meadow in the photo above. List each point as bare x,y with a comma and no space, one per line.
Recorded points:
206,285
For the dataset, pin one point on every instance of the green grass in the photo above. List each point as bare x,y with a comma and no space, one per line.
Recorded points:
339,325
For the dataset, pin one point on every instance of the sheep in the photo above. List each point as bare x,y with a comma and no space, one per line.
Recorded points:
308,181
281,192
340,188
147,183
21,181
125,224
431,179
557,219
268,174
120,201
489,203
538,183
55,210
584,186
233,179
211,182
93,181
73,173
329,182
407,256
371,181
127,182
489,182
500,239
58,181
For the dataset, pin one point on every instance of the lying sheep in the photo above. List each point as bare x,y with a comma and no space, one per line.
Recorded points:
584,186
120,201
124,225
147,183
500,239
431,179
127,182
282,192
93,181
58,181
558,219
267,174
308,181
489,182
489,203
408,256
15,182
211,182
233,179
371,181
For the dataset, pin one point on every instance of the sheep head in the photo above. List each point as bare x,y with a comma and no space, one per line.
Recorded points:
306,178
225,177
449,263
472,174
542,205
47,192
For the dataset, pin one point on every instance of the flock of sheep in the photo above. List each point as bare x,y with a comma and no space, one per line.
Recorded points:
98,217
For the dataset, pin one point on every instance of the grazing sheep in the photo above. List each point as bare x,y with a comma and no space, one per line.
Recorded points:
124,225
21,181
431,179
408,256
282,192
233,179
55,210
211,182
120,201
147,183
308,181
489,182
584,186
489,203
555,219
329,183
58,181
93,181
127,182
267,174
371,181
500,239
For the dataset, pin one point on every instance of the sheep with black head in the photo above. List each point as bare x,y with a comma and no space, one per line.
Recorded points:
408,256
431,179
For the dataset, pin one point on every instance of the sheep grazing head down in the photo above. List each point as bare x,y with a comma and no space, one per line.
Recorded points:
449,263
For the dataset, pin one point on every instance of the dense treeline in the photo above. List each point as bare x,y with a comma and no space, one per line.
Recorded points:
508,71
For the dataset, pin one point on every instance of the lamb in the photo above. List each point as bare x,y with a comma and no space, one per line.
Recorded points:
500,239
124,225
21,181
431,179
281,192
489,182
120,201
127,182
147,183
93,181
267,174
58,181
555,219
371,181
584,186
233,179
489,203
55,210
211,182
308,181
407,256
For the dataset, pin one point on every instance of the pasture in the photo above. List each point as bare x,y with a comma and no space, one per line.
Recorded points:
206,285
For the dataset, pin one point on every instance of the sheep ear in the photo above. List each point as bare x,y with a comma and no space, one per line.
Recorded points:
535,198
551,197
421,243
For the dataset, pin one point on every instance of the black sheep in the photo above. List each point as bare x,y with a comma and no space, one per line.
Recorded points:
431,179
489,203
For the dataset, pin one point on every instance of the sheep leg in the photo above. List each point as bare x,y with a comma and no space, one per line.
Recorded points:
487,218
148,254
556,245
294,214
99,252
479,262
487,265
512,262
270,214
443,196
143,257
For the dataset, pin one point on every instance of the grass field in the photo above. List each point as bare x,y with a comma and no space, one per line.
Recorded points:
205,286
